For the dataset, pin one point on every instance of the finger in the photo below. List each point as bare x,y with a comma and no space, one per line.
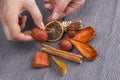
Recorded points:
47,1
36,14
6,30
22,21
15,30
68,11
23,37
59,9
28,32
74,5
49,6
53,2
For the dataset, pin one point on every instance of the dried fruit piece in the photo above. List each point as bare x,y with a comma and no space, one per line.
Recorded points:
55,31
73,28
85,35
39,35
76,26
65,45
71,33
61,65
85,49
41,60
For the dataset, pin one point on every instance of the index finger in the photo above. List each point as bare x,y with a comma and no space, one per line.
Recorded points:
73,6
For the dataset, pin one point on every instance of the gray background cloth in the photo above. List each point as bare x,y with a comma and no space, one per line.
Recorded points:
104,15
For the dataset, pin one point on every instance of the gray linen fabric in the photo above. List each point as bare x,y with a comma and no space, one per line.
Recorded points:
104,15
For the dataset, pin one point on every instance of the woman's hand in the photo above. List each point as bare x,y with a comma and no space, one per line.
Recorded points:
10,14
62,8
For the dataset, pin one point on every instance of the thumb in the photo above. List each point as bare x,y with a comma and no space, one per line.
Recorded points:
58,11
36,14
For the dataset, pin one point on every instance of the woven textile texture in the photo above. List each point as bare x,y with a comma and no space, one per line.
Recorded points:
104,15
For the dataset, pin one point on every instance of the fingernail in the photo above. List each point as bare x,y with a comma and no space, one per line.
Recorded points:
41,25
55,16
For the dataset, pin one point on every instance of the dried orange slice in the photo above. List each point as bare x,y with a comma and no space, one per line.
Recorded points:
61,65
55,31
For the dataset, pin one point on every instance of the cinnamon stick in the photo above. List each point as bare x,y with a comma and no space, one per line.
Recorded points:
63,54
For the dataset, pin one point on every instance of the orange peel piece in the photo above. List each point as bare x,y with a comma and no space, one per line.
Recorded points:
85,35
85,49
41,60
61,65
